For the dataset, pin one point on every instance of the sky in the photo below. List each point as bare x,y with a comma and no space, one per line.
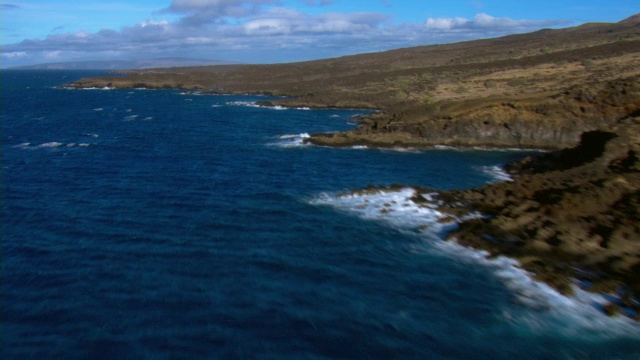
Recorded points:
269,31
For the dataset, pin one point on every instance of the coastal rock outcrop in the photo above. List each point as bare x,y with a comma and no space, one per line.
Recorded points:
551,121
571,214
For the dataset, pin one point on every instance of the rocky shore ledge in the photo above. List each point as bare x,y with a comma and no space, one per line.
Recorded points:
552,120
570,217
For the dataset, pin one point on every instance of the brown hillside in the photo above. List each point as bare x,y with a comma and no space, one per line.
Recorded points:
569,214
424,84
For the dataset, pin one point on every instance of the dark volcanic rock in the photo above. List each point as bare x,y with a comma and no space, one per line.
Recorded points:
552,121
570,214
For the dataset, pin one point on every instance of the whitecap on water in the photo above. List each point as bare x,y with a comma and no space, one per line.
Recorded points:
243,103
359,147
538,307
394,207
496,172
51,144
293,140
541,307
255,105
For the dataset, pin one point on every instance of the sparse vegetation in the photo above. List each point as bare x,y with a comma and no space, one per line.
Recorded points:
572,213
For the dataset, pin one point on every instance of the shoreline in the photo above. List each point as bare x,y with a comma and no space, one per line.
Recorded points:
569,217
344,140
558,273
567,214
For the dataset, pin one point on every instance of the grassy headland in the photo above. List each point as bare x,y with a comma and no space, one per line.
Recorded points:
530,90
568,214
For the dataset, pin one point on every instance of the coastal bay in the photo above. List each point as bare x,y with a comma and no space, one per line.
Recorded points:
544,90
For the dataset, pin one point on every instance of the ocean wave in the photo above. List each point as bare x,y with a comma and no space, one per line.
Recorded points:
50,145
496,172
579,315
98,88
539,306
292,140
130,117
395,207
254,104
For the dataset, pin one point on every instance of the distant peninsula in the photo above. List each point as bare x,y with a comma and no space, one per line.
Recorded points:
124,64
570,216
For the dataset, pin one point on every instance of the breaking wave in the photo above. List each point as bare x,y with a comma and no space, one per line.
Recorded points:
538,306
289,141
50,145
496,172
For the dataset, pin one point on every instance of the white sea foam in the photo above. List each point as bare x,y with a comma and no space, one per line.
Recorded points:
98,109
496,172
293,140
537,306
579,315
255,105
243,103
98,88
446,147
394,208
22,145
51,144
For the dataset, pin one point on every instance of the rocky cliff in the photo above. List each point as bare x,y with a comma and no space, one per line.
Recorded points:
571,214
551,121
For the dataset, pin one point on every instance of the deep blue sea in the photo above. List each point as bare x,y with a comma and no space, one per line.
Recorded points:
140,224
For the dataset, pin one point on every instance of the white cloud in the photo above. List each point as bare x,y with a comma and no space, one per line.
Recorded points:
445,23
318,2
267,27
161,23
259,31
484,22
210,11
15,54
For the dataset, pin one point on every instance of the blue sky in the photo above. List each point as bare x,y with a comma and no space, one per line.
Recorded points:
265,31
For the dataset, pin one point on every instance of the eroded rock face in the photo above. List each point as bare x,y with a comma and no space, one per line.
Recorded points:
551,121
569,214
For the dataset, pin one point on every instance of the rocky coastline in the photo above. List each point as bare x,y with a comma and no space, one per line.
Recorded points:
571,215
568,217
545,121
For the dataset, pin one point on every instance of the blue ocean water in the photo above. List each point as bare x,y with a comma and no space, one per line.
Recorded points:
140,224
